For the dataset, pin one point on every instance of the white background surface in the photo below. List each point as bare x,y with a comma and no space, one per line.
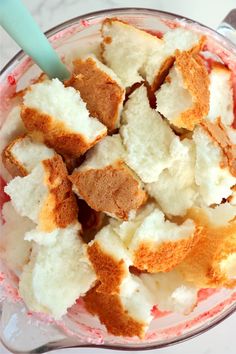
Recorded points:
219,340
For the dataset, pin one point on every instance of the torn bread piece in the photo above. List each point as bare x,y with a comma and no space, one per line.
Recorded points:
50,201
176,190
171,291
211,263
59,116
184,97
100,89
146,136
159,62
11,128
58,272
23,154
13,248
110,260
213,178
127,314
158,245
126,48
106,183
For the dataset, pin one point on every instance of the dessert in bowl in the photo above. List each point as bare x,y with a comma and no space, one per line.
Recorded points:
120,226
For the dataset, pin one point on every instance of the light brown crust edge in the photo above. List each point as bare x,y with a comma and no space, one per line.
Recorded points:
196,80
112,189
102,94
56,134
218,134
201,266
161,75
109,271
112,314
60,207
166,256
13,166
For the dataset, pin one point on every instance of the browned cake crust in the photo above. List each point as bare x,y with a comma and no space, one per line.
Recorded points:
112,314
164,70
13,166
109,271
162,74
60,207
56,134
112,189
196,80
219,135
103,95
166,256
202,265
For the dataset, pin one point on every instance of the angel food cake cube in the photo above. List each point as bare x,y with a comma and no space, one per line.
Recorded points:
184,96
159,62
221,99
59,116
106,183
58,272
126,314
213,178
176,189
211,263
158,245
100,88
110,259
117,288
11,129
146,136
221,95
154,243
23,154
50,201
125,49
126,229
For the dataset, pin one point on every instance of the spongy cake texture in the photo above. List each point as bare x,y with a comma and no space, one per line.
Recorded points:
106,183
57,258
60,117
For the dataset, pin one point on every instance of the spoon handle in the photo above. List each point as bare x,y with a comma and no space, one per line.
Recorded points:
20,25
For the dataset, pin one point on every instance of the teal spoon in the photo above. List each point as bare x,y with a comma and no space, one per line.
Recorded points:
20,25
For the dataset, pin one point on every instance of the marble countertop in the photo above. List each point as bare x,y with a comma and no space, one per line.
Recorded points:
218,340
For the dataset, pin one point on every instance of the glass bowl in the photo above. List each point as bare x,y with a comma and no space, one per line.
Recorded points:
23,331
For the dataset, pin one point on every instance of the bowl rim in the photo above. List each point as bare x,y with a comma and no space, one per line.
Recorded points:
89,16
